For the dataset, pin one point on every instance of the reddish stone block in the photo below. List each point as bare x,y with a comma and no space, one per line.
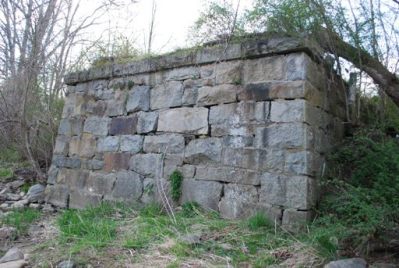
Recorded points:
123,125
116,161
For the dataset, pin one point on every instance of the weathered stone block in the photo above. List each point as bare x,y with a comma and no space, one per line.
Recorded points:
287,191
131,143
100,183
166,143
167,95
64,128
238,141
288,111
138,99
184,120
149,191
171,163
116,161
108,144
73,178
80,199
61,145
290,135
208,150
146,164
52,174
190,96
228,72
206,193
116,106
84,146
67,162
239,201
76,125
264,69
243,158
128,187
123,125
183,74
227,174
147,122
217,95
94,164
96,107
57,195
97,125
302,163
295,220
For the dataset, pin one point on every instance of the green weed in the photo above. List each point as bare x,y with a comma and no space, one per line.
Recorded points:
95,227
20,219
259,220
6,174
176,180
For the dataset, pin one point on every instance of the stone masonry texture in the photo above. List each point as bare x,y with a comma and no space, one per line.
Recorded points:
248,126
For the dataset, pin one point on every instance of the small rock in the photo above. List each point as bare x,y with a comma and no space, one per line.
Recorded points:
347,263
35,206
13,254
13,264
16,184
22,194
13,197
226,246
7,233
66,264
4,206
191,239
20,204
48,208
36,193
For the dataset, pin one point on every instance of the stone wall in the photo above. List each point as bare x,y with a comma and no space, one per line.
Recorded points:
248,125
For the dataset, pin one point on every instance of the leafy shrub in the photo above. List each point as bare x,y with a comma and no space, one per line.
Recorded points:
361,199
6,173
190,209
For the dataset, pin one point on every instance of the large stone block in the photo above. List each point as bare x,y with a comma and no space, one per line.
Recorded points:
171,163
128,187
287,135
148,165
287,191
116,106
208,150
239,201
264,69
52,174
242,158
234,114
62,145
73,178
238,141
217,95
97,125
116,161
84,146
138,99
167,95
303,163
184,120
67,162
108,144
123,125
57,195
183,74
147,122
206,193
96,107
288,111
227,174
80,199
131,143
100,183
295,220
228,72
166,143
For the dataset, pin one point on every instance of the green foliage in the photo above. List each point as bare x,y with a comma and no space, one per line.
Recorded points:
93,227
259,220
20,219
6,174
363,202
176,180
190,209
10,155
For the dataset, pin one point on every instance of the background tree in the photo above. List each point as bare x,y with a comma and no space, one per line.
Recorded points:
36,40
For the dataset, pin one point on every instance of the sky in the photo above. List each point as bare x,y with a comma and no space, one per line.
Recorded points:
173,20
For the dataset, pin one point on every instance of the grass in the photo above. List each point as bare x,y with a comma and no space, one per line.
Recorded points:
176,180
251,241
20,219
6,174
